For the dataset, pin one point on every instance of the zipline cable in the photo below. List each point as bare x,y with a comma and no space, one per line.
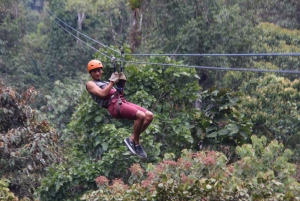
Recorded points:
222,68
220,55
105,46
188,66
80,39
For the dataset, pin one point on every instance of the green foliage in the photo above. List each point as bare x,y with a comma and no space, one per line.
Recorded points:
202,27
169,26
170,94
282,13
262,173
60,103
5,193
96,153
272,104
268,38
267,170
69,179
12,21
26,145
135,4
79,6
272,38
221,120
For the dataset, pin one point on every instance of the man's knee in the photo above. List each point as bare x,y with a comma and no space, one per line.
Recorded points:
149,115
140,115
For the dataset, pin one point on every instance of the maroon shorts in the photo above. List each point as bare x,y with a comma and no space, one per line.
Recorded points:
128,110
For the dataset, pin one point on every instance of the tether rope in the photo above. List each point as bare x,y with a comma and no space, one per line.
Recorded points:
105,46
80,39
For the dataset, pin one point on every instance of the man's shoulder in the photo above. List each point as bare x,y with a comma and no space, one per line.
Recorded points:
90,83
96,82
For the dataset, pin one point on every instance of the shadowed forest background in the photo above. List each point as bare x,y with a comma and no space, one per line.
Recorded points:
217,134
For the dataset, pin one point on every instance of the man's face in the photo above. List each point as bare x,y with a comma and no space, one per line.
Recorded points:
96,73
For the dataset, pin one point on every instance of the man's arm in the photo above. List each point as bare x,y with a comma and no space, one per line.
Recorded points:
94,89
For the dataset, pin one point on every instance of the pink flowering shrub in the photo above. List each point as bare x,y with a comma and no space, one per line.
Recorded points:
137,173
262,173
102,181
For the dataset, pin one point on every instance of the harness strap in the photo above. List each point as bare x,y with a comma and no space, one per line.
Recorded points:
119,104
117,94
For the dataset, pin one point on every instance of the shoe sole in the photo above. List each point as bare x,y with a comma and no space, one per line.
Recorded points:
141,156
129,147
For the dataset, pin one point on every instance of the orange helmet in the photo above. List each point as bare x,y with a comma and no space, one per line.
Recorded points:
94,64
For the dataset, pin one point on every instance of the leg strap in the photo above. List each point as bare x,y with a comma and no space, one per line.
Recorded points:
117,95
119,105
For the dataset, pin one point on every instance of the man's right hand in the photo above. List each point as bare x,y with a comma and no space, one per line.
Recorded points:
114,77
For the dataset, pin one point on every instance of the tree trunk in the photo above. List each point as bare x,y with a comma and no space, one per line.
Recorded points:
81,17
136,29
112,29
15,9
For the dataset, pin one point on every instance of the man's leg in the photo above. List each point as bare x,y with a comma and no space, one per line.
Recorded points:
148,117
138,126
147,121
142,119
134,140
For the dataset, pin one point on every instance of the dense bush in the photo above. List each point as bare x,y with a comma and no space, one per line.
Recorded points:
272,104
262,173
27,146
5,193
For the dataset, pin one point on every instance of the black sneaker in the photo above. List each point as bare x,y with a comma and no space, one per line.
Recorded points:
130,145
140,151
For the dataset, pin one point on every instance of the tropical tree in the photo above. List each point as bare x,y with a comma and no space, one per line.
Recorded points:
27,146
272,104
11,32
136,24
60,103
269,38
221,120
272,38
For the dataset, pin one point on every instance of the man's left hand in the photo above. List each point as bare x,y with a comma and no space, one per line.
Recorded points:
122,76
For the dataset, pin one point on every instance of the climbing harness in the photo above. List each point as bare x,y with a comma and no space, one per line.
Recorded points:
120,84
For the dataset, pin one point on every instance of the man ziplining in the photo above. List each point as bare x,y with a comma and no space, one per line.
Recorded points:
106,96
